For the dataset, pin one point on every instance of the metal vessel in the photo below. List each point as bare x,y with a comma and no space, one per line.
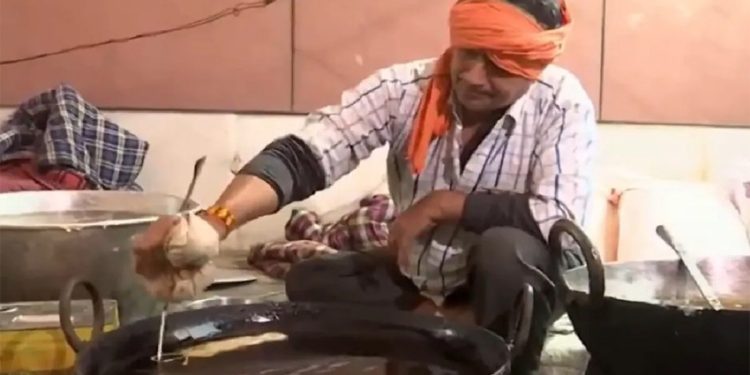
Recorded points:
49,237
31,339
650,317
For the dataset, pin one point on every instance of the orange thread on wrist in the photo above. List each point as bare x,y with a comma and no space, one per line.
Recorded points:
222,214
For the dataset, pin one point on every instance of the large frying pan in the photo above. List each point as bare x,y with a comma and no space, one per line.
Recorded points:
323,335
649,317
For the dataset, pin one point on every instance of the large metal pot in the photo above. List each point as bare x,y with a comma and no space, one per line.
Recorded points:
315,338
49,237
649,317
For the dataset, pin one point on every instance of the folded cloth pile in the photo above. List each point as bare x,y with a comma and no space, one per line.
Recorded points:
364,229
23,175
57,140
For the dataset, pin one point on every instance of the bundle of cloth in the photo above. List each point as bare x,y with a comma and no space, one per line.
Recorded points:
363,229
58,141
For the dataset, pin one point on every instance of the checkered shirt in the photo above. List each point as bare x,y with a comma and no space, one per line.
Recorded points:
363,229
58,128
542,146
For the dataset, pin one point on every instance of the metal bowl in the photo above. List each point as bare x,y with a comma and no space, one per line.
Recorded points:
649,317
48,237
667,282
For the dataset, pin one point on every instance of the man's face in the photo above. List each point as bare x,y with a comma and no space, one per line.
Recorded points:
480,86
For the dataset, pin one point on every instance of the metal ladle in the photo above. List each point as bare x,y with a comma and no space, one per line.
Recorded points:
692,267
197,168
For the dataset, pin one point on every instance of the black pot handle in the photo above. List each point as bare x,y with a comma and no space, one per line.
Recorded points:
590,255
520,325
66,317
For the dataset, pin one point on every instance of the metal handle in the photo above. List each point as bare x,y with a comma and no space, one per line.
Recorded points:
197,168
66,321
591,256
692,267
518,334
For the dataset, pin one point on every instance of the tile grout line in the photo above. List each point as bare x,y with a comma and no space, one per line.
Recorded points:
601,60
293,47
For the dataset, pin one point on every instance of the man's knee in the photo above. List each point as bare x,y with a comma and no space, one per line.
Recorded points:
506,244
343,277
499,259
506,254
308,279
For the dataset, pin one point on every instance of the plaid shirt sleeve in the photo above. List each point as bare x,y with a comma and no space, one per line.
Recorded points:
343,135
562,176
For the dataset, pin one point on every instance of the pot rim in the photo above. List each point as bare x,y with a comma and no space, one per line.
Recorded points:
103,224
724,273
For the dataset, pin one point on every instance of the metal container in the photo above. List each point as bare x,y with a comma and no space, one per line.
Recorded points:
49,237
31,339
330,338
649,317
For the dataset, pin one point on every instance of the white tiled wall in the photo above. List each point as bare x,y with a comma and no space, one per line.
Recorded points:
177,139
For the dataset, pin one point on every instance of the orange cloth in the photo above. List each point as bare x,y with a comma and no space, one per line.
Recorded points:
512,40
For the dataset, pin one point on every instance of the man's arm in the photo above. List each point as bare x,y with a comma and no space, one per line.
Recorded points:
560,187
332,143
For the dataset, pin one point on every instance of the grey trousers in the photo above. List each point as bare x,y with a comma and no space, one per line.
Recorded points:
497,277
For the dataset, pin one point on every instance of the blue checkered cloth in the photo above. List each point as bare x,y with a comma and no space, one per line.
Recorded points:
58,128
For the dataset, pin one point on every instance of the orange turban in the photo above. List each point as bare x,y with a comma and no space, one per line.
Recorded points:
513,40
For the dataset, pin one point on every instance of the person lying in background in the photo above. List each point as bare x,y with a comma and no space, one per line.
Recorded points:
490,144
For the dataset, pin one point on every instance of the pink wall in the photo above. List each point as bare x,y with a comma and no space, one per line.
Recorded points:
238,63
671,61
677,61
333,52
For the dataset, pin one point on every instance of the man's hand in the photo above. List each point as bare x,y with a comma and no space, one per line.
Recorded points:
173,256
438,207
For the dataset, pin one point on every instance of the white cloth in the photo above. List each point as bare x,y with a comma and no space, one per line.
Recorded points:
193,242
189,247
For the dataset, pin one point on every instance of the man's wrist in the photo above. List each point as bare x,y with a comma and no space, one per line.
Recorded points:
219,219
448,206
